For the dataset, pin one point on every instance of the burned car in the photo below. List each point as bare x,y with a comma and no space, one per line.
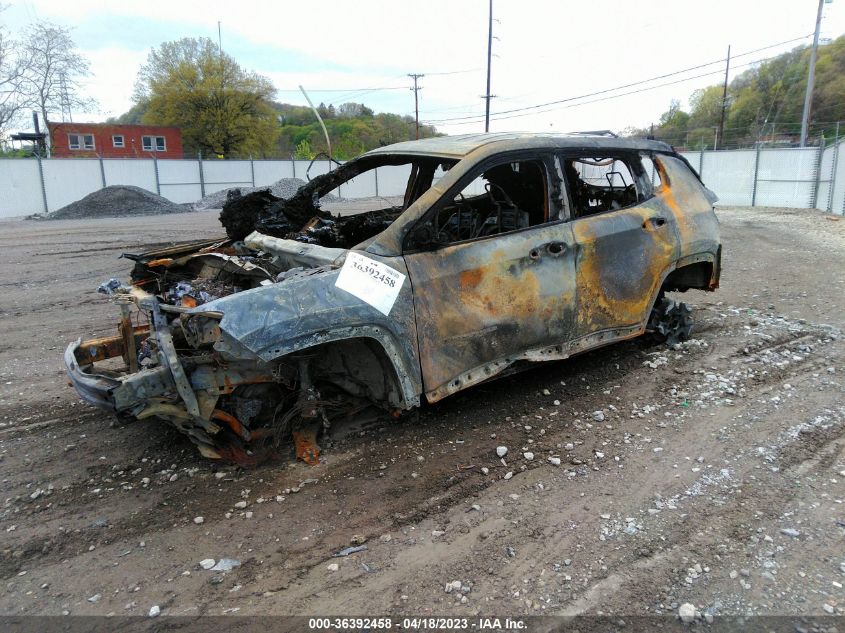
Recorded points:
505,250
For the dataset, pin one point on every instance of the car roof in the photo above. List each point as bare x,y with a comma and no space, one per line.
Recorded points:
463,144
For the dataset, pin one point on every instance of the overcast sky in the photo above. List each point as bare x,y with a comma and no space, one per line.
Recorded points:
544,51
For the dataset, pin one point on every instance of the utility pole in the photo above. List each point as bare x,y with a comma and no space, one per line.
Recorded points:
811,76
487,95
219,38
719,136
416,89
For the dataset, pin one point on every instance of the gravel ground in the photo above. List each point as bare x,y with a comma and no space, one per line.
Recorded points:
703,481
116,201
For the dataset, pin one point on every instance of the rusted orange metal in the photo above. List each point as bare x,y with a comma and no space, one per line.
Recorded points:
164,261
305,441
99,349
232,422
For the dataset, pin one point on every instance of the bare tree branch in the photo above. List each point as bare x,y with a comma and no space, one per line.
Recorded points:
54,72
13,65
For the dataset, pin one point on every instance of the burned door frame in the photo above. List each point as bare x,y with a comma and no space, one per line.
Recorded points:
483,303
623,256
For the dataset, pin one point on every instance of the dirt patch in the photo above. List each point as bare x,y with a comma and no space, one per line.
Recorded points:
712,474
114,202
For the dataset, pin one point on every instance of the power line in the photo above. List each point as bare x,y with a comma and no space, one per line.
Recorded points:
464,108
629,85
454,72
622,94
344,89
429,74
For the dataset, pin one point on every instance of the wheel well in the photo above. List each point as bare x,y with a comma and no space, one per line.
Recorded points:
696,275
359,366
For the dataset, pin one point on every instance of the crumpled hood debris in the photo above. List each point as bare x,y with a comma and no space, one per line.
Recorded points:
273,320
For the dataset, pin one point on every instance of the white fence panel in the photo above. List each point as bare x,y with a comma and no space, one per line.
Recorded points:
363,186
20,185
301,169
730,175
223,174
825,180
180,180
393,180
269,171
786,177
837,199
69,180
694,159
130,171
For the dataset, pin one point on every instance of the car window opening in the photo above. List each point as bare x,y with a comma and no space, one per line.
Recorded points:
506,197
310,215
604,183
654,171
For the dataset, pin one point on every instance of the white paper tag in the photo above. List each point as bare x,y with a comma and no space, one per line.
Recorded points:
372,282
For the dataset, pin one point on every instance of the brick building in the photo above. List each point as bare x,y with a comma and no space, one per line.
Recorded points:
89,140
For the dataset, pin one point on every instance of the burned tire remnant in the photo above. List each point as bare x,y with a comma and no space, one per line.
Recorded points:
670,321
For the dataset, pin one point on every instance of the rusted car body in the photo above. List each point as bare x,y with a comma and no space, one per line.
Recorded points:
506,249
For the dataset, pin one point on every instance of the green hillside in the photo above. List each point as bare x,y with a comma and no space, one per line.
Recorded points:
353,129
765,103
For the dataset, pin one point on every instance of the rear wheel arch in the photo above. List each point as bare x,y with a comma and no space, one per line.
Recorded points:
697,272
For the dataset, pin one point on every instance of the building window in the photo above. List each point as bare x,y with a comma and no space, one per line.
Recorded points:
153,144
117,140
80,141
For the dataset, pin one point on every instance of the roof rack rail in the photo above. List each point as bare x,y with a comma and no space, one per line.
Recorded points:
597,133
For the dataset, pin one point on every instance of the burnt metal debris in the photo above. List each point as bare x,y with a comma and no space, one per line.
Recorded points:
506,249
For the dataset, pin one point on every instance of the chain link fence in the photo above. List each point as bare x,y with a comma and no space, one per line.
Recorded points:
795,177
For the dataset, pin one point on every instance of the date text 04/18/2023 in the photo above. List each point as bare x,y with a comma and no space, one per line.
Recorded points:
427,623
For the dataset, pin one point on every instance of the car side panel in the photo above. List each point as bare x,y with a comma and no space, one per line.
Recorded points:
685,196
622,257
482,302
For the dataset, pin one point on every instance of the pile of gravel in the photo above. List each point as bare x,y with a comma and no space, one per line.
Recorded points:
282,188
114,202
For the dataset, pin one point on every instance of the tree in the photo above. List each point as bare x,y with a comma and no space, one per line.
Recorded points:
132,116
303,150
673,124
12,67
353,110
51,80
221,108
764,102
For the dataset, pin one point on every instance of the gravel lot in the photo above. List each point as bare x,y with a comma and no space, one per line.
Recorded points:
712,475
